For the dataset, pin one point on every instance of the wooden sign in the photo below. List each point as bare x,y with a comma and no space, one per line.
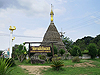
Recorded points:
40,49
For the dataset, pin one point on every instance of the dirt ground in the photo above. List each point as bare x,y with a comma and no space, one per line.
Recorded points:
36,70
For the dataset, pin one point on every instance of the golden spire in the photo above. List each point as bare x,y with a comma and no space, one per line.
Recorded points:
51,13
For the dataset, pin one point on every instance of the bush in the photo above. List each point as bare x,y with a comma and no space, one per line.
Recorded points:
55,57
10,62
4,66
28,61
76,51
43,57
99,53
55,51
67,55
56,62
61,51
76,59
92,50
85,52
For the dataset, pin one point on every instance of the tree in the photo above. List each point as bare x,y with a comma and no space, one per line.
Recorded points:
76,51
96,40
20,52
84,42
99,53
55,51
14,55
61,51
68,43
92,50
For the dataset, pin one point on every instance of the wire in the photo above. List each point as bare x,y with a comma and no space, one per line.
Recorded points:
3,34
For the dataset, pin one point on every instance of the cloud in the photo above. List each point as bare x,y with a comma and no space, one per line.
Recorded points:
92,16
8,3
59,11
39,32
33,8
2,25
98,21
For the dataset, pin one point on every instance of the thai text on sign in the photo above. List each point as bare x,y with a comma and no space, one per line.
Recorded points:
40,49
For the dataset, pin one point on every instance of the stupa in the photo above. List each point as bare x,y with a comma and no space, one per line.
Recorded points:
52,35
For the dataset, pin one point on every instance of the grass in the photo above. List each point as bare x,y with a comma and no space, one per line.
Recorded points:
24,63
66,62
64,70
73,71
18,71
76,70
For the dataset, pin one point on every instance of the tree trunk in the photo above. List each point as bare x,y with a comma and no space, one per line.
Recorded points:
18,58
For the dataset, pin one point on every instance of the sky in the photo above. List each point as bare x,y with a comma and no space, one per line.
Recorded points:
77,18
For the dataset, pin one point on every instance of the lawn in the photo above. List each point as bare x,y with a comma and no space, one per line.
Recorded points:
18,71
76,70
88,70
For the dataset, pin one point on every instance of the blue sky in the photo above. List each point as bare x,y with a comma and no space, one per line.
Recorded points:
77,18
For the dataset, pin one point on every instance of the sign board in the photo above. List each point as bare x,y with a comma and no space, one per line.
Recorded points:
40,49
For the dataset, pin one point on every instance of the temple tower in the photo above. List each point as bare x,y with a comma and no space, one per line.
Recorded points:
52,35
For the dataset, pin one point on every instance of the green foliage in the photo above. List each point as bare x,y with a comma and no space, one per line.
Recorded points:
99,53
56,63
55,51
14,55
10,62
84,42
68,43
1,52
76,51
67,55
76,59
61,51
75,70
20,52
48,61
4,67
92,50
28,61
43,57
85,52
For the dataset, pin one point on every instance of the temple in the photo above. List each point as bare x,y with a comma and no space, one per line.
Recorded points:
52,35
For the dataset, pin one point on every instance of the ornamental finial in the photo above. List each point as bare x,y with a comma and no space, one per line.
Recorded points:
51,13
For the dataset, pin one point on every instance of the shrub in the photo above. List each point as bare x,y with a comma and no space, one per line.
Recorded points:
99,53
10,62
67,55
4,66
28,61
85,51
61,51
48,61
76,51
43,57
76,59
55,51
92,50
56,63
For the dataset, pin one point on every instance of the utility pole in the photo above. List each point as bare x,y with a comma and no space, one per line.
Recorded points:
61,34
11,29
